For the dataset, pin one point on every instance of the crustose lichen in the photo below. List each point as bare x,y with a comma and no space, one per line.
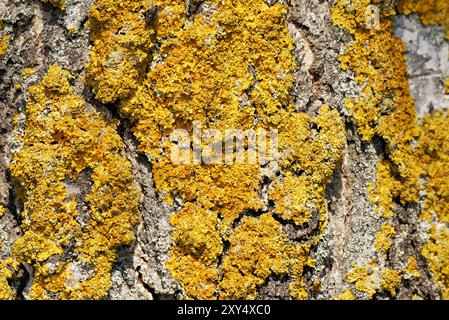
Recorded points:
65,137
231,66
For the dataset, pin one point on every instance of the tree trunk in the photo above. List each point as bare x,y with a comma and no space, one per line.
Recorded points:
352,232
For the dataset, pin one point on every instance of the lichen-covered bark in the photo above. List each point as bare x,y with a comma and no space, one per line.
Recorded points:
353,206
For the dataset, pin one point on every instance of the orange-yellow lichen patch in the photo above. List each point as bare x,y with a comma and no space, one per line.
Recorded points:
384,238
436,251
3,41
313,147
416,170
216,63
411,270
6,272
296,199
64,137
258,249
227,190
4,45
433,152
171,16
391,280
198,246
365,278
371,279
2,211
347,295
386,188
121,42
219,61
430,11
300,260
27,72
229,67
385,108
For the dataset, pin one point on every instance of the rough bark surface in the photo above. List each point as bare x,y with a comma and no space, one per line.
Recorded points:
41,36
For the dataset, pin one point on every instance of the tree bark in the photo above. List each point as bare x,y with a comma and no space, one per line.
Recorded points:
41,35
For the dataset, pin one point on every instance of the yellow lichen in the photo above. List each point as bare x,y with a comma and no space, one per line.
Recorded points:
193,61
6,272
384,238
298,197
430,11
230,67
258,249
436,251
27,72
365,279
385,190
121,42
371,278
385,108
3,41
433,155
4,45
347,295
195,256
2,211
416,169
300,260
391,280
171,16
227,190
64,137
73,30
412,268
